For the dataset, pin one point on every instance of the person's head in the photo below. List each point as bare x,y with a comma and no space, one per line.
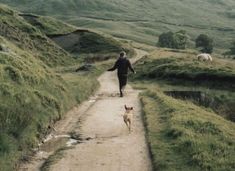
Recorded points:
122,54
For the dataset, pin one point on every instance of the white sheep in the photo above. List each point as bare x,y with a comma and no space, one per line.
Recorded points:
204,57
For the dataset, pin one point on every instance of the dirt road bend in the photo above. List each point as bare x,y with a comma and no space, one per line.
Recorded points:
106,144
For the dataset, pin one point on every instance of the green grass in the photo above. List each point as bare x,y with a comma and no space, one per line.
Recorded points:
101,43
79,42
183,67
33,97
143,21
48,25
30,101
87,42
27,37
183,136
188,132
180,71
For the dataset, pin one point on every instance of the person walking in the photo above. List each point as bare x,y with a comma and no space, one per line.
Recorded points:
122,65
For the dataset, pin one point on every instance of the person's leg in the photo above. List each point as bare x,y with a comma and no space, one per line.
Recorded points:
122,83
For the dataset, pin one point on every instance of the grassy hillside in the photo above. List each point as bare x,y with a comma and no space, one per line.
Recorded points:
142,20
183,136
30,100
33,97
78,41
182,67
181,75
84,41
188,110
38,82
48,25
17,30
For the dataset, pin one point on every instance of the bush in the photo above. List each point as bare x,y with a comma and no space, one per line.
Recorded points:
205,42
176,40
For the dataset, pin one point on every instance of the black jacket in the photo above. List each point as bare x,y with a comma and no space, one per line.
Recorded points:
122,65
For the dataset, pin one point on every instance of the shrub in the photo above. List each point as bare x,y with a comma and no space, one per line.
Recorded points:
205,42
176,40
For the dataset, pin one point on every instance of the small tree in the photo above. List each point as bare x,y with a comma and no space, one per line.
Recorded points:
176,40
205,42
165,40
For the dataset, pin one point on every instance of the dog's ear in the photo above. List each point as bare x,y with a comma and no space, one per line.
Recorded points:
125,107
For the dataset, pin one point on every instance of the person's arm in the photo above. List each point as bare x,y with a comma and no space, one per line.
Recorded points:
130,66
114,67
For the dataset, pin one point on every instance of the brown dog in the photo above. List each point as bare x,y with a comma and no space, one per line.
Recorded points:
128,117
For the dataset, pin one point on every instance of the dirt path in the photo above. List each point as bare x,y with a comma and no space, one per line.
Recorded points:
106,144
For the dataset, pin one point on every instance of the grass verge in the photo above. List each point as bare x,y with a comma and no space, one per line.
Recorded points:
183,136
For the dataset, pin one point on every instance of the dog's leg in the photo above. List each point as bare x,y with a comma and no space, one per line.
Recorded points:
129,121
126,123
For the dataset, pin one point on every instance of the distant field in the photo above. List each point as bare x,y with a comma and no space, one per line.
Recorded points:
143,21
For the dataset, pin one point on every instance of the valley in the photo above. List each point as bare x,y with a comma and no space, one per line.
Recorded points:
142,21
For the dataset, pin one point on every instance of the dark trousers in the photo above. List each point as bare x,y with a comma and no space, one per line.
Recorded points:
122,78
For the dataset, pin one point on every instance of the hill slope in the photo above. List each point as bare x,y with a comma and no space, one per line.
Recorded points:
27,37
183,136
182,76
48,25
188,110
143,20
77,41
183,66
